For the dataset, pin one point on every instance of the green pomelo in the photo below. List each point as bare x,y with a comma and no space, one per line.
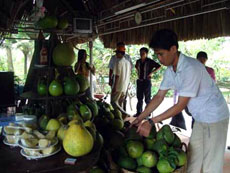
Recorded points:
77,141
160,146
149,143
163,166
177,142
149,159
48,22
71,86
134,148
117,124
127,163
83,82
182,158
131,134
93,107
63,54
117,113
85,112
55,88
143,169
43,121
42,89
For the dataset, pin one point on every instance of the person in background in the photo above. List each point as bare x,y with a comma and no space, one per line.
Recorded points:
121,73
113,61
203,57
84,68
203,98
145,68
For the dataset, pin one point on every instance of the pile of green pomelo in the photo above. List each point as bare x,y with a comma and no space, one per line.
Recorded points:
159,152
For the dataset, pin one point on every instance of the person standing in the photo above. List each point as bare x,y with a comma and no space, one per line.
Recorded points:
113,61
203,98
121,73
145,68
203,57
84,68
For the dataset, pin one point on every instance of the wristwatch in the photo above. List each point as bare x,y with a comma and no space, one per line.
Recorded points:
151,122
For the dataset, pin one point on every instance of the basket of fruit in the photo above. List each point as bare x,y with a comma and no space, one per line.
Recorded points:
161,151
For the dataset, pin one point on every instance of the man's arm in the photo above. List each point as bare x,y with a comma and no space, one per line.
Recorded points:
145,127
154,103
154,70
174,110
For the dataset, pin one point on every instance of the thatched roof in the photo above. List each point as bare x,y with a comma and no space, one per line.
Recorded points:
114,20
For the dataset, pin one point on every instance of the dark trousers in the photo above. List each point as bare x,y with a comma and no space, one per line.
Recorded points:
143,90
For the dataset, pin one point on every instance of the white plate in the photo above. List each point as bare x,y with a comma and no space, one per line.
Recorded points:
9,144
38,157
37,147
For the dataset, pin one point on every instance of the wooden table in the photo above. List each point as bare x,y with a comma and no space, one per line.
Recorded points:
11,161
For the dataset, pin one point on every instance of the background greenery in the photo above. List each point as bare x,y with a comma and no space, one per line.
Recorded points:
14,53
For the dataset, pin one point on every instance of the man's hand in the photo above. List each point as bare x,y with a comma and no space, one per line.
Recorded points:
149,76
136,122
144,128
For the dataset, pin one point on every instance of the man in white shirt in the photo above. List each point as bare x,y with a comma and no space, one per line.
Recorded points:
113,61
121,73
204,100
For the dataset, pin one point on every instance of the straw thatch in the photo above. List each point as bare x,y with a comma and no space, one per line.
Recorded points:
190,19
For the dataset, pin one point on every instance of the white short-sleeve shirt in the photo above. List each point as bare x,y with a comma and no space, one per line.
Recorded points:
114,59
191,79
122,69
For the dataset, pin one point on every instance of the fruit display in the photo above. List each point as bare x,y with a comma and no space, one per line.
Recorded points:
63,54
159,152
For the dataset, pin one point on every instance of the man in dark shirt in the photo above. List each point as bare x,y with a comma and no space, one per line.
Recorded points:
145,69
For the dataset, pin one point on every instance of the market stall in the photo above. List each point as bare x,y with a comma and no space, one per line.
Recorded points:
90,133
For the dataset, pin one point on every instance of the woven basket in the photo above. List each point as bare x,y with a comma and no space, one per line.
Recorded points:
182,169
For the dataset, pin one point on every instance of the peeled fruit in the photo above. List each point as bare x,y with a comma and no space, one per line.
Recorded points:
53,124
55,88
44,143
49,150
134,148
51,134
29,142
63,54
77,141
